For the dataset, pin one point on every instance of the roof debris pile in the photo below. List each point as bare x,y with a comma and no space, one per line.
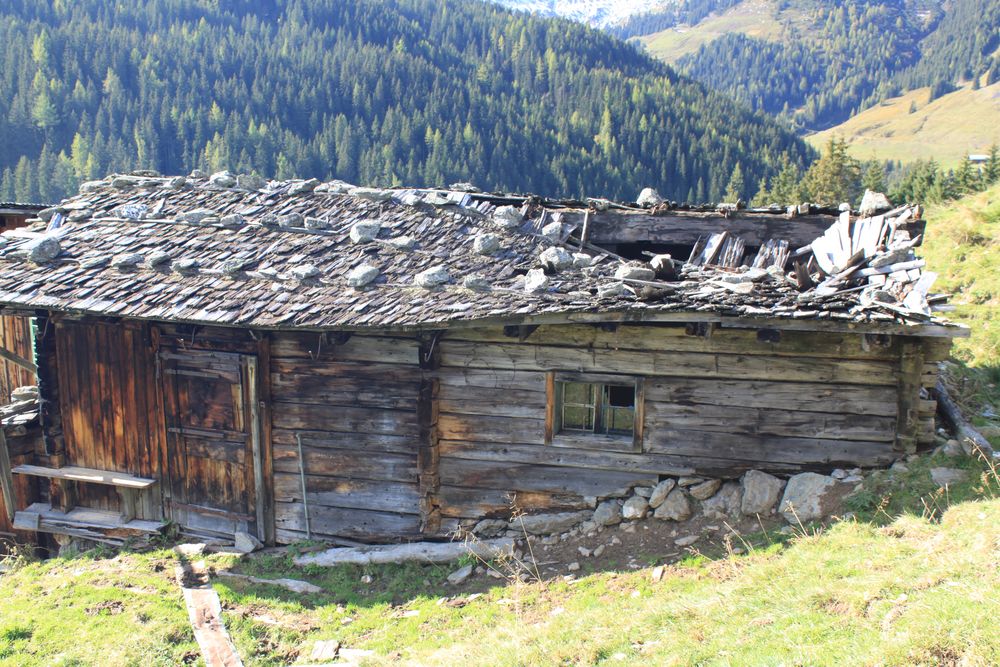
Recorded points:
235,250
871,260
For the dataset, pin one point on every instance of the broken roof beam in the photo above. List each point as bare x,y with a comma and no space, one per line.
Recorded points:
18,360
684,228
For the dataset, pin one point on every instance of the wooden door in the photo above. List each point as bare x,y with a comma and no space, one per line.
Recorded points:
213,434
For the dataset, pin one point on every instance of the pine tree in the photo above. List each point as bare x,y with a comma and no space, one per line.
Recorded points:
966,177
7,186
736,186
763,196
991,170
874,176
835,177
786,189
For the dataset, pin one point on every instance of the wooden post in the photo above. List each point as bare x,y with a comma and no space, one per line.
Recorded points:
6,478
266,446
129,502
911,367
550,406
428,455
50,415
255,444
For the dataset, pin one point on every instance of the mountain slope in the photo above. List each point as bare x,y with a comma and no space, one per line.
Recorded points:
763,19
819,62
959,123
428,93
820,75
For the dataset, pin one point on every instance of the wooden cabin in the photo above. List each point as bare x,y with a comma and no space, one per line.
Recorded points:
14,215
308,360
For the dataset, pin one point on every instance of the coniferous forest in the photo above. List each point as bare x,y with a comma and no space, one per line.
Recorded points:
414,92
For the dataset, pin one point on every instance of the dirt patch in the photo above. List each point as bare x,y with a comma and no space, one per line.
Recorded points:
108,608
639,544
268,616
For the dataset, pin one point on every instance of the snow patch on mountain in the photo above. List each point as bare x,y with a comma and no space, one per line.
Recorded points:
598,13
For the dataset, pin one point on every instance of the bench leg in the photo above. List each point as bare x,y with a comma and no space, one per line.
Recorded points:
62,493
130,503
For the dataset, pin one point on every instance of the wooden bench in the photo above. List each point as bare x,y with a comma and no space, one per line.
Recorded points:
131,489
92,524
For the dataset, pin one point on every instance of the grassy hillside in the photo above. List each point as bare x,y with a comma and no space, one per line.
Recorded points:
963,247
914,589
756,18
962,122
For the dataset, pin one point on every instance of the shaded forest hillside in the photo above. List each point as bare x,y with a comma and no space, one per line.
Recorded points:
410,91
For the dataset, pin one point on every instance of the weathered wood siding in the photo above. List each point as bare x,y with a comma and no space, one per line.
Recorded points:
111,417
354,406
15,336
715,405
406,436
20,449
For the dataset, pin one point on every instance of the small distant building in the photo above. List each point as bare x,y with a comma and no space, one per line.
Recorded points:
14,215
978,158
302,360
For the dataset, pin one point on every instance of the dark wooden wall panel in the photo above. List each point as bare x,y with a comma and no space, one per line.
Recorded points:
15,336
353,404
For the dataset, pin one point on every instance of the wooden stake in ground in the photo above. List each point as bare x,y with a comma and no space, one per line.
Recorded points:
205,613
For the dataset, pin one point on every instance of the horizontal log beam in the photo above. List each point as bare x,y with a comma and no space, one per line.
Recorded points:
614,227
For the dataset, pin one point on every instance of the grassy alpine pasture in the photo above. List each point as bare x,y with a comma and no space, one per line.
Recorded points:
911,581
962,122
754,18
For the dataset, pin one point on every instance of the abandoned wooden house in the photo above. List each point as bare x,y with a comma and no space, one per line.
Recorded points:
302,359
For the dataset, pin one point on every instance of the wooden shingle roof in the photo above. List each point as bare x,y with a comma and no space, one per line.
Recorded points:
283,256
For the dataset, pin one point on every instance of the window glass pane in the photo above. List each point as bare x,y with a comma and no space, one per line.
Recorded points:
620,420
621,396
579,393
578,419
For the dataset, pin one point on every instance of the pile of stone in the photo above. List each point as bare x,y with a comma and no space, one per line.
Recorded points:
16,416
802,498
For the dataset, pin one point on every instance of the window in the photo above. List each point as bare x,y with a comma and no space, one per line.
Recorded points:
597,408
594,411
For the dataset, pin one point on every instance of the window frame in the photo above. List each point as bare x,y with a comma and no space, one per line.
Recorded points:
582,439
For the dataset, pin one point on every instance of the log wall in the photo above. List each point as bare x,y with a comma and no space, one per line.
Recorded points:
15,336
354,406
714,405
404,436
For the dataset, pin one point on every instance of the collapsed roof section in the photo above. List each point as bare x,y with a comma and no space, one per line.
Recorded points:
238,251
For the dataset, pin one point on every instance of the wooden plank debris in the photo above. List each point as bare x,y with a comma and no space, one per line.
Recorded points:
424,552
205,613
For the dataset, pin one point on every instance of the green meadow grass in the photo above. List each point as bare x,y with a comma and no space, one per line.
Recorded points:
911,580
